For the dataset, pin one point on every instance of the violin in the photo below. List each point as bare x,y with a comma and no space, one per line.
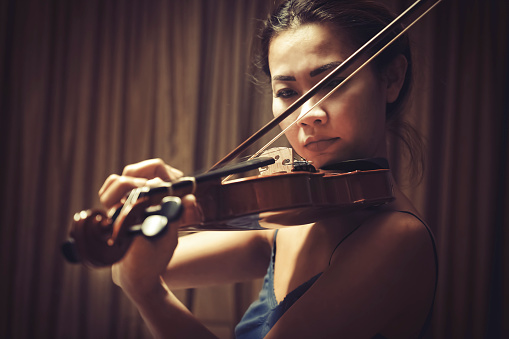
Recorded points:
270,201
280,199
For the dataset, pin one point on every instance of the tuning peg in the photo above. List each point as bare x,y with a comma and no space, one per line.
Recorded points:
159,216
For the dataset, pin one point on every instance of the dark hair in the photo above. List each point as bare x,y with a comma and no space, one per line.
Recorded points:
360,20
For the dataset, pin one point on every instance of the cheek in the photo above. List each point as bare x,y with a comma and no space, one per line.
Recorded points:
292,134
365,105
358,116
364,128
277,109
362,120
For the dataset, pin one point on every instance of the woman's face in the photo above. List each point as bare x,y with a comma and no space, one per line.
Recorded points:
350,124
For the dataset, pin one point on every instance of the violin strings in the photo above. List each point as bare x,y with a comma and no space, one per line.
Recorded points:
126,208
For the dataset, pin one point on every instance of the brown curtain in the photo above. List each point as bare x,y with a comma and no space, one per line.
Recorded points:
466,189
90,86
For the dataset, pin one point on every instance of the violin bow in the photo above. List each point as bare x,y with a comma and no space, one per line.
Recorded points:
368,46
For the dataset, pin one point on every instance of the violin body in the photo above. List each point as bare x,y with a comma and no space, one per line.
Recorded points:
261,202
290,199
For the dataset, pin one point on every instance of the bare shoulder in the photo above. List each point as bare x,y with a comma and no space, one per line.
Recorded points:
393,240
394,255
381,279
401,225
404,231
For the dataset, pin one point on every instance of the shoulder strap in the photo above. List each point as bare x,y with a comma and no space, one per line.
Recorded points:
435,254
341,241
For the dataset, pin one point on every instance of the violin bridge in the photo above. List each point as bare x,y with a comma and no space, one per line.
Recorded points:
284,161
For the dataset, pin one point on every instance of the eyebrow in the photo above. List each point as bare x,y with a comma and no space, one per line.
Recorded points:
324,68
283,78
313,73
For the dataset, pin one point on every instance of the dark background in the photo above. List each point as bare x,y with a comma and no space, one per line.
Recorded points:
88,87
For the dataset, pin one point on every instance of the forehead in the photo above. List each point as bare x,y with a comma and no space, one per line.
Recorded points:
307,47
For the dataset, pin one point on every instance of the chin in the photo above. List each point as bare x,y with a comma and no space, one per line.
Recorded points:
321,162
326,158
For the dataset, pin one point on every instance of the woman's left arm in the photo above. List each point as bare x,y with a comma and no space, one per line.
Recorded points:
139,275
166,316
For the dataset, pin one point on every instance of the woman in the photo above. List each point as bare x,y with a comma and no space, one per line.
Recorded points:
364,274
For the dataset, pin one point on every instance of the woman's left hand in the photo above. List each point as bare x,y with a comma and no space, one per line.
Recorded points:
139,272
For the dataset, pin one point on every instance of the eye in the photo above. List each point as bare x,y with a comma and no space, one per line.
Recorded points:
285,93
334,82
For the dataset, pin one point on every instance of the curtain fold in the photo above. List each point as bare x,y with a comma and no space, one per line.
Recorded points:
87,87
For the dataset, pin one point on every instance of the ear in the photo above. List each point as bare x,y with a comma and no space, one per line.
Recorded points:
395,77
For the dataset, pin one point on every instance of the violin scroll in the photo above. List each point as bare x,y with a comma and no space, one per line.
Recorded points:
89,243
97,240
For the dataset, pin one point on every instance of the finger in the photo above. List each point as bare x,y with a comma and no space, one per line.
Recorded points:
192,214
115,274
173,173
152,168
118,188
107,183
156,182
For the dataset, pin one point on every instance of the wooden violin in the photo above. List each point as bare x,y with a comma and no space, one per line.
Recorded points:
293,198
257,202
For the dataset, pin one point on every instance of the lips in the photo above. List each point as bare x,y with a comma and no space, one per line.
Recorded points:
319,144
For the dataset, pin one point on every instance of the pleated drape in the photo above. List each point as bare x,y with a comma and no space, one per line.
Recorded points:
88,87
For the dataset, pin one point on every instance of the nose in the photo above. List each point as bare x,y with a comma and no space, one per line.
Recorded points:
316,115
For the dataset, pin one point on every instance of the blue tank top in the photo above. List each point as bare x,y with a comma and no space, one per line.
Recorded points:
263,313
